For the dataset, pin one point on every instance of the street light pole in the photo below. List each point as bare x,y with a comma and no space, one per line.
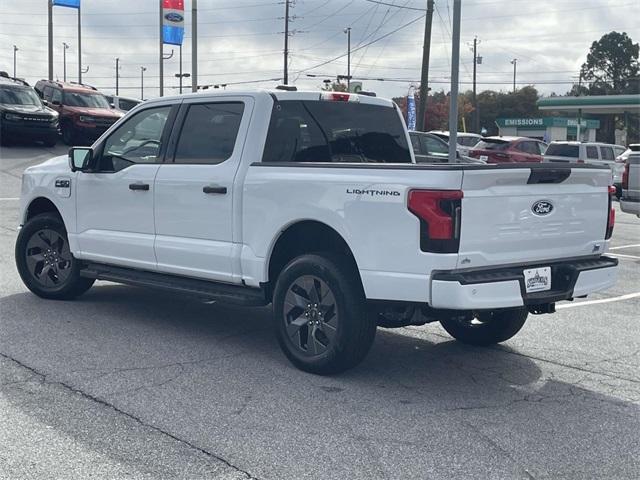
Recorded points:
65,47
455,71
117,76
180,69
15,51
142,70
348,32
79,45
161,51
514,62
286,42
194,45
50,37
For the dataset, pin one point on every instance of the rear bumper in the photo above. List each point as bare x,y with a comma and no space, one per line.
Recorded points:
504,287
630,205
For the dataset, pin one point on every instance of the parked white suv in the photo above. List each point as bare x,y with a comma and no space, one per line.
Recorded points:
630,201
312,202
465,141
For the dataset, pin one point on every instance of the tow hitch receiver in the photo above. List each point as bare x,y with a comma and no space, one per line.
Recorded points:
542,308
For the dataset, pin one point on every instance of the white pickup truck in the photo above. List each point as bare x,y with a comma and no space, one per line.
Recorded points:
313,202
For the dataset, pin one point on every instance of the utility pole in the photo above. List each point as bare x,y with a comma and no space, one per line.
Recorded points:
161,56
476,111
348,32
117,76
424,80
65,47
15,52
79,45
286,42
180,70
142,70
50,35
194,46
514,62
455,71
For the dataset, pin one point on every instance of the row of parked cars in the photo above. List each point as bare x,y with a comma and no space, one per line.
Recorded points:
79,112
433,146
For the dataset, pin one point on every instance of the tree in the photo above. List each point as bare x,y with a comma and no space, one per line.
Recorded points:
612,65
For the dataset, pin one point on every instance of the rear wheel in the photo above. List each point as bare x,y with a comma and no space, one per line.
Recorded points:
45,262
487,327
320,314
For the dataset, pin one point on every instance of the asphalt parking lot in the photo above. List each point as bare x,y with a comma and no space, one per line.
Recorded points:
133,383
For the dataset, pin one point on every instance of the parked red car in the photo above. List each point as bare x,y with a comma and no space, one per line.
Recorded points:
509,150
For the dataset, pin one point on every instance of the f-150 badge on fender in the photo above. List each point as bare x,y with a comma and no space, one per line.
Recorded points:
542,207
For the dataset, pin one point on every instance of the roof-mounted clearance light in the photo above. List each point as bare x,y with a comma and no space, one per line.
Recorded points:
339,97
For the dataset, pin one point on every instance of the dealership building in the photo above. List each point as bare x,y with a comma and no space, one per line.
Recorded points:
548,128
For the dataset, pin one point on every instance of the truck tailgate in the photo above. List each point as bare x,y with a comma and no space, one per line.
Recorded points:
535,213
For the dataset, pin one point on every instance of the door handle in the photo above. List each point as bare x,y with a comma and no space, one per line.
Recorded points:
214,189
139,186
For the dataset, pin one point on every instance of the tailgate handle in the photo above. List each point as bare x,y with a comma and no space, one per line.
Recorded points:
548,175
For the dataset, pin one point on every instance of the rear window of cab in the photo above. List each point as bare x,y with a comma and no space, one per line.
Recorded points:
563,150
335,131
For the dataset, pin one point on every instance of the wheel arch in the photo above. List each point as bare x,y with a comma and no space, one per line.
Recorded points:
40,205
301,237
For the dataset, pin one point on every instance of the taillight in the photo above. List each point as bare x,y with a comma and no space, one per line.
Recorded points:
440,213
625,176
339,97
611,220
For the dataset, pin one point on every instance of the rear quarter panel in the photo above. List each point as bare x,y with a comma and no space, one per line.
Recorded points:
381,232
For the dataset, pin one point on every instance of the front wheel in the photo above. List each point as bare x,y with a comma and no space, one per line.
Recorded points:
45,262
487,327
320,314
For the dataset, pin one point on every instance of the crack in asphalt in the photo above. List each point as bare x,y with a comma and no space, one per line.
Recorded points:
102,402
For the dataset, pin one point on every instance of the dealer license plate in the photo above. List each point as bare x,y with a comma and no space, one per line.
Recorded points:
537,279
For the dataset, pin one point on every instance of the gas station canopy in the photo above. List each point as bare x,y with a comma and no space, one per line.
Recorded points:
594,104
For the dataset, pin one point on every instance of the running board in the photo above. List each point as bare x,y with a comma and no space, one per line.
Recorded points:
223,292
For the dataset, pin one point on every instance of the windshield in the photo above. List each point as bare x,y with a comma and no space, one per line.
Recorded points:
19,96
492,145
563,150
82,99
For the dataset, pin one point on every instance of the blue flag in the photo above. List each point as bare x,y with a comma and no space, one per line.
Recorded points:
411,112
173,21
67,3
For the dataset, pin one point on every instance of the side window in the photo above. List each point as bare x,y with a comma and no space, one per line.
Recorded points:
415,143
46,93
592,152
607,153
56,95
434,147
138,140
209,133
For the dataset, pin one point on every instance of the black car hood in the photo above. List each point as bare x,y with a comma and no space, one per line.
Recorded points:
26,109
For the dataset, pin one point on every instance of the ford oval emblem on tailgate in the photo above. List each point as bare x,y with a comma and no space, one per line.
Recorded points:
542,207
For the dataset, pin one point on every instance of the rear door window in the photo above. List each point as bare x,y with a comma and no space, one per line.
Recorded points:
56,95
435,147
607,153
592,152
492,145
330,131
415,143
209,133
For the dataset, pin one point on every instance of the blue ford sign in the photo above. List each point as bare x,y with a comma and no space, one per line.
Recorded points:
174,17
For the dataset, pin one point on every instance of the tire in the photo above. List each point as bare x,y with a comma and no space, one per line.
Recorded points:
45,262
332,335
486,328
69,137
50,141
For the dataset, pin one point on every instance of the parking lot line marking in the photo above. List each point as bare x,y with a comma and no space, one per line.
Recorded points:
624,256
628,296
624,246
9,199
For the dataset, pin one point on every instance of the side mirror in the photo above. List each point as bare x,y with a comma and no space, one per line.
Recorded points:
45,103
112,105
80,158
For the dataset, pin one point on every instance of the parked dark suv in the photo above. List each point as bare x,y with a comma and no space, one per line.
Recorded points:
23,117
85,113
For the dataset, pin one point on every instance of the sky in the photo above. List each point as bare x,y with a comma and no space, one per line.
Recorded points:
241,42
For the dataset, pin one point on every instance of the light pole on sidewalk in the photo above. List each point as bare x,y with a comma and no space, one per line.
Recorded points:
348,32
65,47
